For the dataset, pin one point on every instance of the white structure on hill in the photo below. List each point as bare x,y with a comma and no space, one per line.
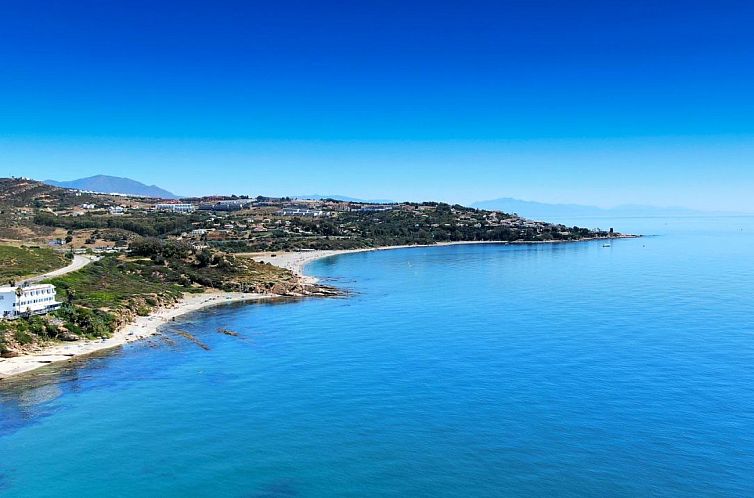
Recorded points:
175,208
30,300
300,212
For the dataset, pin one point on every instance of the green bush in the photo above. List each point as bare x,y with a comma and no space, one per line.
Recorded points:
23,337
84,321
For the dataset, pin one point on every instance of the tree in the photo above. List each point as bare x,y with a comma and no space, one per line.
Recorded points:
204,257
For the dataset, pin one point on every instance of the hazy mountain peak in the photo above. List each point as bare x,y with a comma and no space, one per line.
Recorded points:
114,184
542,210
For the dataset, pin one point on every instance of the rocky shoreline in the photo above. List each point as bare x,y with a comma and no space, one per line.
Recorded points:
133,327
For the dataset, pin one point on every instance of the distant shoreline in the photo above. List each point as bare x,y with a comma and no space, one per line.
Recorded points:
147,326
296,261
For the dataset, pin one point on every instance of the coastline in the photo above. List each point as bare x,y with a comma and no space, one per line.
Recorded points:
146,326
141,328
296,261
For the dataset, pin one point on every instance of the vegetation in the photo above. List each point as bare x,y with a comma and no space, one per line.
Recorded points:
439,223
147,225
110,283
17,262
159,272
26,331
112,291
41,209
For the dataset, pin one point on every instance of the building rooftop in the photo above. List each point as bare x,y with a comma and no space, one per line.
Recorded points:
8,288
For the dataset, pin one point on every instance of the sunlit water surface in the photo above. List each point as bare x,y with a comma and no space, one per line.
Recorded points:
476,370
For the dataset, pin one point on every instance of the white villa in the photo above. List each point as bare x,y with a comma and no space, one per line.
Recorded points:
33,300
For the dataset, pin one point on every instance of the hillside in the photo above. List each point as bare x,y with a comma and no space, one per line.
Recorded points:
17,262
20,199
113,184
32,212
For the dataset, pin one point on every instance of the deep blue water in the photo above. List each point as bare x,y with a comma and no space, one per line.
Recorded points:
476,370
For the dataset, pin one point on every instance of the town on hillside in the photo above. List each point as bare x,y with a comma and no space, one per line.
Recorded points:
83,221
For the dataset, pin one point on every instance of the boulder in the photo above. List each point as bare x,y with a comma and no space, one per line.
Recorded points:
68,336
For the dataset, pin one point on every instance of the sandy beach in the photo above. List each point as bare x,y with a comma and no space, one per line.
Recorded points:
296,261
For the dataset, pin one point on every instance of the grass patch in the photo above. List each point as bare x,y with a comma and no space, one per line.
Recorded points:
110,283
18,262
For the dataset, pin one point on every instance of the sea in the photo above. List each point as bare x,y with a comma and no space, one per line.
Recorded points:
478,370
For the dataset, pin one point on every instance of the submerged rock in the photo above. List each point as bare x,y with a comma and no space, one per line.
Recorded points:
193,339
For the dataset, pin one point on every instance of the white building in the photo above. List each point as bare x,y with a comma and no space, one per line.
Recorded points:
175,208
33,299
300,212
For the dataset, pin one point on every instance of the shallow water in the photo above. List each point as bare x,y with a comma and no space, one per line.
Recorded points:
477,370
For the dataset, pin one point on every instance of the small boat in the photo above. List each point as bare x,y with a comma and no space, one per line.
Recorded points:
605,245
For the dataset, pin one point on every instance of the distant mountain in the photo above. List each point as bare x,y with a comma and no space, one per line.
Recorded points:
114,185
317,197
541,210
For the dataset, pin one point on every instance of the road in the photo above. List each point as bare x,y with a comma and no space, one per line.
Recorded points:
79,261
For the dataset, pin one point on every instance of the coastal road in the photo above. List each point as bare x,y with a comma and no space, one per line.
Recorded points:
79,261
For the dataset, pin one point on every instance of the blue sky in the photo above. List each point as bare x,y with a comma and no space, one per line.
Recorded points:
592,102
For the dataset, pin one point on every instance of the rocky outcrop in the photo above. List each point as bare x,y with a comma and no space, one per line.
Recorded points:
295,287
142,305
68,336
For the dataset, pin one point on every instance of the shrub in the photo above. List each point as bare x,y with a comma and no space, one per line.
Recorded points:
23,337
85,321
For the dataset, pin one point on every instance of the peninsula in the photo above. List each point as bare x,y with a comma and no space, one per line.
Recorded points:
122,265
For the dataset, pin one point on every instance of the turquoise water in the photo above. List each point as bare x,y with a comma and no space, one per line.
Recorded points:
476,370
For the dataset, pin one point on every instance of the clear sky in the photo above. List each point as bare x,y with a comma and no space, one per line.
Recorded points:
598,102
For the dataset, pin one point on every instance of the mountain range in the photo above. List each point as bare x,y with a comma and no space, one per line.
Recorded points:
541,210
114,185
